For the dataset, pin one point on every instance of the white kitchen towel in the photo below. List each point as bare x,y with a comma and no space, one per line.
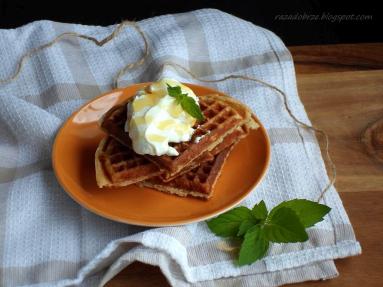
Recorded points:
47,239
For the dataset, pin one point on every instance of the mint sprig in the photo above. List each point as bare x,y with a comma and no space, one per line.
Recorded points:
256,227
187,103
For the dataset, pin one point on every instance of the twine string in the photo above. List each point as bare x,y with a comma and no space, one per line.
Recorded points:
119,28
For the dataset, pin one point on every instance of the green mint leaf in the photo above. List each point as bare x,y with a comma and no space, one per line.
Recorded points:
308,212
246,225
283,225
179,99
254,246
228,223
187,103
260,210
190,106
174,91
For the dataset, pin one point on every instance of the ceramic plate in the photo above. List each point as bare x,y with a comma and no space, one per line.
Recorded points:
73,163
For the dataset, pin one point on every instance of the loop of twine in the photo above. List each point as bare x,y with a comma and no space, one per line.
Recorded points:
141,61
99,43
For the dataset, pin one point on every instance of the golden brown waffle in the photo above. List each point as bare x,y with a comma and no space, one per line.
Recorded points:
198,182
118,165
222,114
228,141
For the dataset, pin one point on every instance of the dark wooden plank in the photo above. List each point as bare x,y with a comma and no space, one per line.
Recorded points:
337,58
139,275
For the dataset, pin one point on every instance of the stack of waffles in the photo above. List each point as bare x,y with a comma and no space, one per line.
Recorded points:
194,171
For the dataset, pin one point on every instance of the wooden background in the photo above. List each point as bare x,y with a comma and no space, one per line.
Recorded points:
341,87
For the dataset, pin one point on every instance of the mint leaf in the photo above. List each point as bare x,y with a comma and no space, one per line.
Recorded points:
308,212
190,106
260,210
187,103
228,223
246,225
179,99
174,91
254,246
283,225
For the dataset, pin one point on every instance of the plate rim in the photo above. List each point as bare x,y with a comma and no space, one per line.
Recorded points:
157,224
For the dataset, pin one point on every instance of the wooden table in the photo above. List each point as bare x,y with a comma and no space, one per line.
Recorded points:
341,87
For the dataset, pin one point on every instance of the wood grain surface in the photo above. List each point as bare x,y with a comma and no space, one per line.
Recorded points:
341,87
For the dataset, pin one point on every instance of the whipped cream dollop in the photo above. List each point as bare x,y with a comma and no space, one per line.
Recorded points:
155,119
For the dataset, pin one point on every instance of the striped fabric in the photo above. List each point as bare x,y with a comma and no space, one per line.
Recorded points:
46,239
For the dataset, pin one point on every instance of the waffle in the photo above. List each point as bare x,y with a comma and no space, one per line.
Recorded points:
198,182
228,141
116,165
223,115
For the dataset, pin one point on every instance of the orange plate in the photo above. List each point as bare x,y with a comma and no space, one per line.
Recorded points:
73,162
